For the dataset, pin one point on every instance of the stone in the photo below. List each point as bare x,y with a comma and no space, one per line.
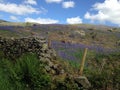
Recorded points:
77,34
50,64
45,46
82,81
47,68
62,71
53,72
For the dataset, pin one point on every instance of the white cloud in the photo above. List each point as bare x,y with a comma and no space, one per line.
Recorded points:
68,4
100,16
17,9
74,20
53,1
32,2
41,20
13,18
108,11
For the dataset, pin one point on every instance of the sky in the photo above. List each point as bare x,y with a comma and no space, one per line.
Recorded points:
105,12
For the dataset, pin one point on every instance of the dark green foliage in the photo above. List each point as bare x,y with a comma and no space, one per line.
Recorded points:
98,80
1,54
116,78
26,73
4,84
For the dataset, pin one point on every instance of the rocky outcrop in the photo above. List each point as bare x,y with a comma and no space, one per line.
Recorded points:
77,34
82,81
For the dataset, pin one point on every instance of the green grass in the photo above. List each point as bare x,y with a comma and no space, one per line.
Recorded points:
102,70
7,33
27,73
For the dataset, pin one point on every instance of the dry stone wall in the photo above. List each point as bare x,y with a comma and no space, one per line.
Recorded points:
14,48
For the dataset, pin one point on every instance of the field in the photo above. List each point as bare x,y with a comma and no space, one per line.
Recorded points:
102,65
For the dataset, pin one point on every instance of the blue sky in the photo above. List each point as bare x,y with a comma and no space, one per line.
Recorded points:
61,11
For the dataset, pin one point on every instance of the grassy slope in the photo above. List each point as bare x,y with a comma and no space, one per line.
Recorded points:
104,37
102,70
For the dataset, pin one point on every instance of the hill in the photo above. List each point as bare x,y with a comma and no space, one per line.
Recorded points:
104,36
2,21
21,68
